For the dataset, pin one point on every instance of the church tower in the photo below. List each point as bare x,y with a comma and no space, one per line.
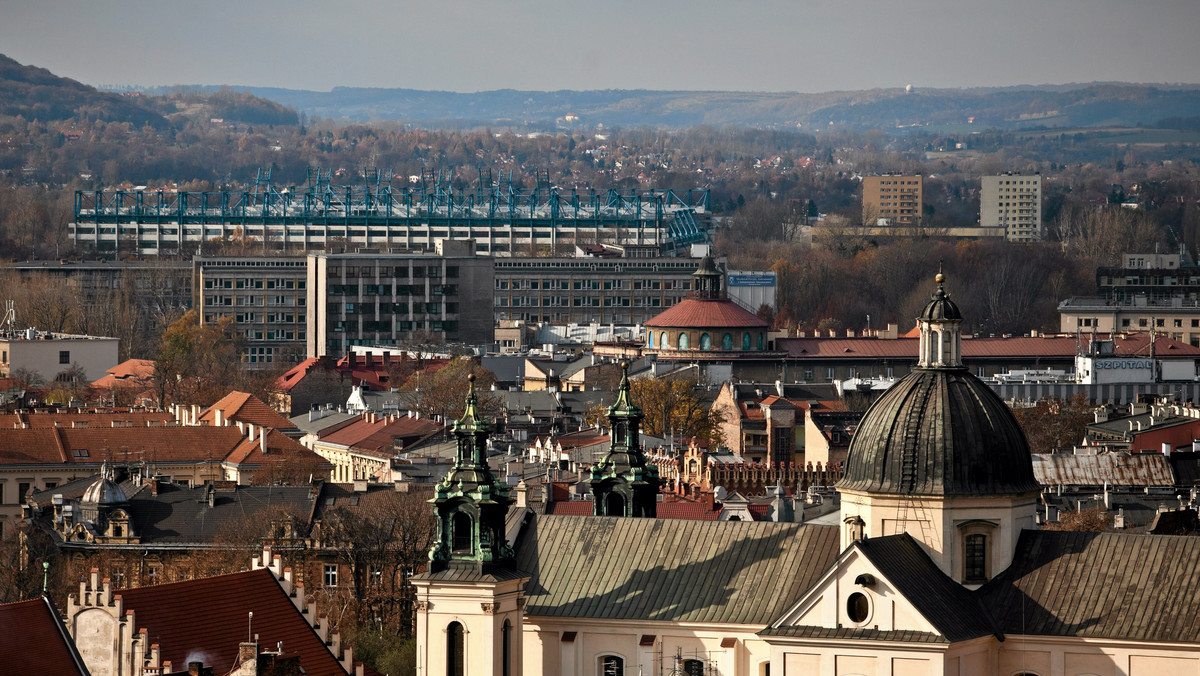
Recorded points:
469,605
939,456
623,484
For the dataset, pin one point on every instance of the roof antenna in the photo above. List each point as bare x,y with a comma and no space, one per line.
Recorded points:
250,628
45,575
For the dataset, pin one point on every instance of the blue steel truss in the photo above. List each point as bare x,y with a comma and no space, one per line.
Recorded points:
433,199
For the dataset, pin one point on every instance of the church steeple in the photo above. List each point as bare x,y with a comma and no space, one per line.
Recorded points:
941,331
623,484
469,503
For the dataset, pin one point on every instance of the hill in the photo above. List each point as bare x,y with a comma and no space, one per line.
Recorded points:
36,93
1060,106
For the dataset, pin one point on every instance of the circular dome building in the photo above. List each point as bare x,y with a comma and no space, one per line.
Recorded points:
707,321
941,457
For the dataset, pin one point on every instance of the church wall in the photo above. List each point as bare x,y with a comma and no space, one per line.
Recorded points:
853,658
547,653
481,610
1055,656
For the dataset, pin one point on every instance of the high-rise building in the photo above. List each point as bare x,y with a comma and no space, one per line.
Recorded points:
892,200
1013,202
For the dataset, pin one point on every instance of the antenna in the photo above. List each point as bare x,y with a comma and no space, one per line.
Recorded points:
250,628
10,316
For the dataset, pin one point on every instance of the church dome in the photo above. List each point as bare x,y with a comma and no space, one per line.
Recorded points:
939,430
104,491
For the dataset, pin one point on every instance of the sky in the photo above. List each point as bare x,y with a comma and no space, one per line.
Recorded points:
734,45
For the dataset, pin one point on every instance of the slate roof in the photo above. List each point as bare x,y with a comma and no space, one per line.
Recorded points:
954,611
1100,585
939,432
706,313
738,572
803,631
33,640
209,615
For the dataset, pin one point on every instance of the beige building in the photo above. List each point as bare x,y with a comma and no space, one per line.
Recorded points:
892,200
1013,202
265,297
1176,318
50,354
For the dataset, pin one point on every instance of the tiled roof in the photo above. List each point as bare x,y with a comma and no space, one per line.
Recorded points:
905,347
380,433
739,572
954,611
209,615
698,313
247,408
34,641
280,449
1100,585
84,419
138,371
161,444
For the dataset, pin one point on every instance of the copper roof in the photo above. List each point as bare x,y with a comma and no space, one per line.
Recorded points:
209,615
1114,469
707,314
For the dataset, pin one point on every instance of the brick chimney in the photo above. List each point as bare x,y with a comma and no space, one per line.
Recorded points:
195,668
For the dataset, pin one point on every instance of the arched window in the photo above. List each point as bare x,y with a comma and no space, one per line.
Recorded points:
705,342
693,668
662,341
683,343
460,532
975,558
456,650
614,505
760,341
727,341
650,339
746,341
611,665
506,649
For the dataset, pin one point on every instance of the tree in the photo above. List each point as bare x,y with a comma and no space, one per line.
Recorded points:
1092,520
672,407
197,364
443,393
1053,424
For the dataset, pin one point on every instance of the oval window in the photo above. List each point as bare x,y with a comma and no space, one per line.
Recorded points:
858,607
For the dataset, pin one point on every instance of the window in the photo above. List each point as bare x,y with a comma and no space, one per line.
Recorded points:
975,558
858,607
64,356
727,341
154,574
460,532
683,341
650,339
745,341
705,342
611,665
330,575
693,668
506,649
22,491
456,650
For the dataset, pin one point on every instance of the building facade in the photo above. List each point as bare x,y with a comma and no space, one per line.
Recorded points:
378,299
1013,202
892,200
51,354
265,296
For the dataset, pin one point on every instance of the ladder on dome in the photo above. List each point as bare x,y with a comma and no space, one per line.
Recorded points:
909,503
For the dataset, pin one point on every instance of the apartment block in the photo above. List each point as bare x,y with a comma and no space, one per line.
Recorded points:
394,299
892,200
1013,202
264,296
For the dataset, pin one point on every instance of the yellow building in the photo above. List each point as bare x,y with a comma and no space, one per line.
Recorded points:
892,200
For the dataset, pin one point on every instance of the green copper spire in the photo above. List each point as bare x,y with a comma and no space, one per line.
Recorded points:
622,483
469,503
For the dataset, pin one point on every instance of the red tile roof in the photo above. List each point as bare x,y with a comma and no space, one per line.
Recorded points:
280,449
209,615
245,407
382,432
1061,346
700,313
153,444
130,371
80,419
34,641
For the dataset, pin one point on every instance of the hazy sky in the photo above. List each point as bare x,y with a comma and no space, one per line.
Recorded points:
472,45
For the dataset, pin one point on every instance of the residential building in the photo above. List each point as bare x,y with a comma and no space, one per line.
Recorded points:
1013,202
363,448
765,422
50,355
393,299
264,296
892,200
1176,317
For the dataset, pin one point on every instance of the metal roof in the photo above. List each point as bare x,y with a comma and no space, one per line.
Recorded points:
1114,469
737,572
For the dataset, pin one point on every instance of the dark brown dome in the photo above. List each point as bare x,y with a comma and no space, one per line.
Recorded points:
939,432
941,308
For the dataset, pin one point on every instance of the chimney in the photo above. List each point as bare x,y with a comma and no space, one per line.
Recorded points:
248,652
195,668
219,418
262,441
522,494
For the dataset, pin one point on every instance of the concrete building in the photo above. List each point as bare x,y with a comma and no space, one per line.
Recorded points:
1013,202
892,200
589,289
50,354
266,298
394,299
1176,317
